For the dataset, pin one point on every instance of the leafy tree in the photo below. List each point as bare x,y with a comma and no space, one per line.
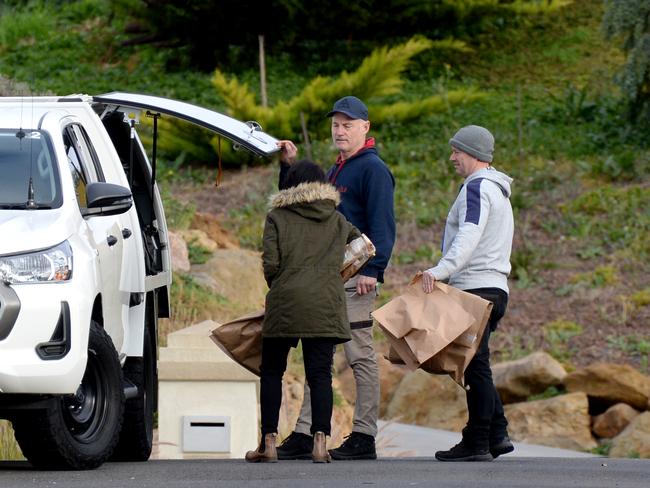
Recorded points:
208,33
628,21
378,76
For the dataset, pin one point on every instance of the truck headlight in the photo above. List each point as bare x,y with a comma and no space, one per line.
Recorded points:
46,266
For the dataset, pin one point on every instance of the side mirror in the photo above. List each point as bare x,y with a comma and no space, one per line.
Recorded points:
107,199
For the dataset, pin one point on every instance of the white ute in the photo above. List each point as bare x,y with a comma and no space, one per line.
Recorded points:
85,271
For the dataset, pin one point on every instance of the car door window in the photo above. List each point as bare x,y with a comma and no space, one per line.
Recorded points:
88,153
78,165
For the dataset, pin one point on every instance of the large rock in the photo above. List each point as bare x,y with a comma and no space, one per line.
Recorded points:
614,420
430,400
608,384
235,274
517,380
634,441
562,421
210,224
179,255
198,238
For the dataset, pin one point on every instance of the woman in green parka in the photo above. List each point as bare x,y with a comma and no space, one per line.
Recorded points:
304,245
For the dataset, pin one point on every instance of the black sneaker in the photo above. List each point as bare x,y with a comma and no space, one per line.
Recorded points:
504,446
296,446
356,446
462,452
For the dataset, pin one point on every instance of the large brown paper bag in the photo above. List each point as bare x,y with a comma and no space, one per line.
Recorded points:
241,340
455,358
454,322
422,324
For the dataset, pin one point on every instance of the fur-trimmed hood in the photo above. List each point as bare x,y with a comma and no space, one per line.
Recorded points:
314,201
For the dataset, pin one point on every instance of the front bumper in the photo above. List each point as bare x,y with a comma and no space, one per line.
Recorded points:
44,351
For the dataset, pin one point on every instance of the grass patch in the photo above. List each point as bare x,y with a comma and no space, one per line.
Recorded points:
600,277
558,335
550,392
197,253
612,218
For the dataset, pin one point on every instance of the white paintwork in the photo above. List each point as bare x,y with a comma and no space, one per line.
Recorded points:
240,132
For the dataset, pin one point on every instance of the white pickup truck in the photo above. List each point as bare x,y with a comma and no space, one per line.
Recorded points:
85,271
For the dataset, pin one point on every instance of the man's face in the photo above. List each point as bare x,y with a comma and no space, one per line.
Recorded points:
349,135
464,164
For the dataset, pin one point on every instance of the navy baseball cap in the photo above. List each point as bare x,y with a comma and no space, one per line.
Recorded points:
350,106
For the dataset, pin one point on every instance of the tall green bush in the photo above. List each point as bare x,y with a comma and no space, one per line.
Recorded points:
379,75
628,22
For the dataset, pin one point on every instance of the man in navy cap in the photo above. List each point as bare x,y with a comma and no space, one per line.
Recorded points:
366,186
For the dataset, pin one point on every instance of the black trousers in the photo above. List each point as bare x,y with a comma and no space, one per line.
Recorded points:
487,422
318,354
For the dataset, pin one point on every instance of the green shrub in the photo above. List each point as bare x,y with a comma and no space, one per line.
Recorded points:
614,218
598,278
557,335
198,254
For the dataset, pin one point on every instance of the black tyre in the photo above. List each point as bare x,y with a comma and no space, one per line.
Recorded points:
136,439
79,431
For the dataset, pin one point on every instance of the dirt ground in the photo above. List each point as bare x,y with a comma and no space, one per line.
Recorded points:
604,315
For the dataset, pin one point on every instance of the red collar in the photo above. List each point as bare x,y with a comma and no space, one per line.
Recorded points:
370,143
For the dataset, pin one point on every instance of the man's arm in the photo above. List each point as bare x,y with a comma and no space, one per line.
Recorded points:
380,217
474,209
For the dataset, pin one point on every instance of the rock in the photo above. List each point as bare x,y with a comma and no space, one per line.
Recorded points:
634,441
562,421
209,224
179,255
517,380
429,400
198,238
614,420
608,384
235,274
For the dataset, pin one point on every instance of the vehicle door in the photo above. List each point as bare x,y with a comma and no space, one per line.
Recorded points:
105,232
244,134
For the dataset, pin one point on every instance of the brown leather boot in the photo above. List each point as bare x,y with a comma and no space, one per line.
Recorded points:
320,454
266,452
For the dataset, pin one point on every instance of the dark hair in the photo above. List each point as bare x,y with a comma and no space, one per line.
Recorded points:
303,171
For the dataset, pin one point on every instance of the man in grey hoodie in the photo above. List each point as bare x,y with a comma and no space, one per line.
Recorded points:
476,258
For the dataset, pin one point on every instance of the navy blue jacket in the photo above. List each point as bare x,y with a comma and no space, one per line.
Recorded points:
366,186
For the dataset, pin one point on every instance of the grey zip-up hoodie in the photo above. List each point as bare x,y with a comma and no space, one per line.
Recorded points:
477,242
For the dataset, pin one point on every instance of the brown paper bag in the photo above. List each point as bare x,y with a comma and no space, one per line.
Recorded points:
241,340
455,358
438,332
357,253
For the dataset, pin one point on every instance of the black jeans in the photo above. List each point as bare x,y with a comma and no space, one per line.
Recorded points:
487,422
318,354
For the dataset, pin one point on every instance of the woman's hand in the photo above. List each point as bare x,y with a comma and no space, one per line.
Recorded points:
428,282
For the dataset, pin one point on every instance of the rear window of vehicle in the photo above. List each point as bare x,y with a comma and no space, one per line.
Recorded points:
26,155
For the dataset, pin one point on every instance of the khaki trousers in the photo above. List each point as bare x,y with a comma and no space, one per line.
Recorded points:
360,355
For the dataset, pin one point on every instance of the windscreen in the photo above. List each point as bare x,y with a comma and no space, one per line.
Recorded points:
27,155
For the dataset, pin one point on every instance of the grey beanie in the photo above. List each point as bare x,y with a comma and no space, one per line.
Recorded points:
476,141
